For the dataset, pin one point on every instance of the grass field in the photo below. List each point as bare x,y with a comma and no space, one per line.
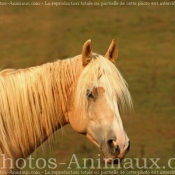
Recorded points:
33,35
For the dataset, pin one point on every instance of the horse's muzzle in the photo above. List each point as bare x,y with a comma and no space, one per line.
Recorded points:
117,153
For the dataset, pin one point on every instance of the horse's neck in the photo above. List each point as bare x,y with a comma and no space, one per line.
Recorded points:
25,139
61,89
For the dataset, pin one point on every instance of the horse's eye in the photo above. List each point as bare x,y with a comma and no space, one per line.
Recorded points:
89,94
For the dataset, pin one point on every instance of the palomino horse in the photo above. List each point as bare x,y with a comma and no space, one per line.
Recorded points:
86,91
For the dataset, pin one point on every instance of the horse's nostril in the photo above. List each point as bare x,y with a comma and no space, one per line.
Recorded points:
128,148
110,143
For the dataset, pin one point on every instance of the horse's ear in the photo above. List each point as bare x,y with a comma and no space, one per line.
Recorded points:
112,52
86,52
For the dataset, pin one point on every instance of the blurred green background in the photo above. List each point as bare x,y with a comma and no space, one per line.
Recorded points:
33,35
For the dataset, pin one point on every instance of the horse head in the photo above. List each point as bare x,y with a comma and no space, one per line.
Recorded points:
100,97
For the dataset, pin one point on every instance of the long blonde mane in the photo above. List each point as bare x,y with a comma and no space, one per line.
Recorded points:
115,85
29,99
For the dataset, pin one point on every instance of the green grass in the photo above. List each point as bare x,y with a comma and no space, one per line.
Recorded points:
145,35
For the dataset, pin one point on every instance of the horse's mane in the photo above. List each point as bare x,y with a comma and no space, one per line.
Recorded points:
28,98
115,85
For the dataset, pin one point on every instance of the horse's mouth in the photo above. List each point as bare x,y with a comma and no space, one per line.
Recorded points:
110,158
113,161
